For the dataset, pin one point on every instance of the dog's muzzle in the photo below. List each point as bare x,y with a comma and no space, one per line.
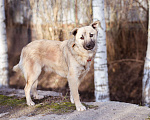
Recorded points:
89,46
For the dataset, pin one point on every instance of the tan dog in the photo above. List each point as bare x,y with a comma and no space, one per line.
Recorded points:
70,59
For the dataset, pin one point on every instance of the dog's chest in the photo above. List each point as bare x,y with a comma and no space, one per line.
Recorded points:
84,69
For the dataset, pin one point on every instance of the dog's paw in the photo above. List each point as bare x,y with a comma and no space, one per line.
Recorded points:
31,103
81,108
39,97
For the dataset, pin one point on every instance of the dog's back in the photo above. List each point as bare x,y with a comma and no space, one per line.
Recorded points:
46,54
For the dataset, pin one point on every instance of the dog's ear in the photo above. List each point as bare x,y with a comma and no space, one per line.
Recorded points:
74,31
95,24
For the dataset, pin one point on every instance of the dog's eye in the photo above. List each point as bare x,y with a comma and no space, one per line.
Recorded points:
82,37
91,35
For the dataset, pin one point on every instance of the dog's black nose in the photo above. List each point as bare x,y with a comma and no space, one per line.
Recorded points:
89,45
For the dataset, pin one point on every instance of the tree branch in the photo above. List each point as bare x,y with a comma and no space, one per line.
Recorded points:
126,60
140,5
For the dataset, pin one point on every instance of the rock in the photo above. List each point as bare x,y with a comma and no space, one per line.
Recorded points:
2,114
20,92
105,111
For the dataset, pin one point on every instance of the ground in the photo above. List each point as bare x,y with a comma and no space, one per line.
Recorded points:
58,107
13,104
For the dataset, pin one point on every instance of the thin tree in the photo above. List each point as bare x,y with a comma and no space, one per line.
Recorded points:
100,61
3,48
146,77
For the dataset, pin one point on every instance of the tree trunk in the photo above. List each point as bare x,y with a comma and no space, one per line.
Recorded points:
146,77
100,61
3,48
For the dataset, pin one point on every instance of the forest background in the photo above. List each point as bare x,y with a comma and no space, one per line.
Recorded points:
126,35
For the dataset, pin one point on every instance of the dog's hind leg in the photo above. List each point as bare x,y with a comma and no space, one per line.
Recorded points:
27,90
33,73
34,91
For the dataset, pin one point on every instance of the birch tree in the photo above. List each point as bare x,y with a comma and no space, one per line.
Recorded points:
3,48
146,77
100,61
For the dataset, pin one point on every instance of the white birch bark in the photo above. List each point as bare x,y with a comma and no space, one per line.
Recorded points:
3,48
100,61
146,77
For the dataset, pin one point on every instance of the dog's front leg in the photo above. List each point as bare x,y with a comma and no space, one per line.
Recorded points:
73,84
71,97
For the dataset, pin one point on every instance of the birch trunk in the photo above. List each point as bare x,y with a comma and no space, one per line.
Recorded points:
3,48
100,61
146,77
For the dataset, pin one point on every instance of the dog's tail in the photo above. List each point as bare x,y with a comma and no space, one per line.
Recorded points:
16,68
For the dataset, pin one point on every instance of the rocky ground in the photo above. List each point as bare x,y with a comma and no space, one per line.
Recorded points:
57,107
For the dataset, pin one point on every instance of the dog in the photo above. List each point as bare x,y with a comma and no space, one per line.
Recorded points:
69,58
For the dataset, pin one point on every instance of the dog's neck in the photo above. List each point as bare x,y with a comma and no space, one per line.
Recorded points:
81,57
88,60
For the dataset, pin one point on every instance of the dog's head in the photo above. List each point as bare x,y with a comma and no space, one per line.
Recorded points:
86,37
